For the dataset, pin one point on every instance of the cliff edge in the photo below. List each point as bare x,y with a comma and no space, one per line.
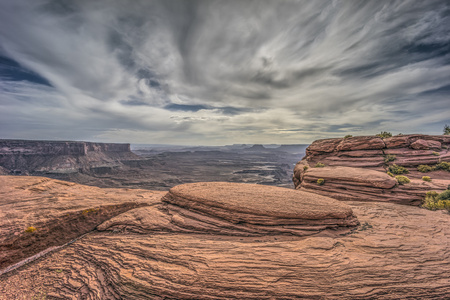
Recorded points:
23,157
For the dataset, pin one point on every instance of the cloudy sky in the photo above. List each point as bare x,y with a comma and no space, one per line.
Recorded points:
222,72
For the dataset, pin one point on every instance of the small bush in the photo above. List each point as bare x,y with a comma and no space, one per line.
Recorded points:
320,181
305,168
384,135
348,136
390,174
389,157
446,130
435,201
31,229
442,166
426,178
402,179
436,153
398,170
90,210
424,168
445,195
319,165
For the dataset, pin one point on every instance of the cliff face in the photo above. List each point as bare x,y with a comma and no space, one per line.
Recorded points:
356,167
24,157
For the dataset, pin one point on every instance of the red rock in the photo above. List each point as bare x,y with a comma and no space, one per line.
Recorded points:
326,145
352,176
399,141
359,154
361,143
425,145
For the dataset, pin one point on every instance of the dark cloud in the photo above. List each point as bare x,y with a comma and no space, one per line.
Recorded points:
222,71
10,70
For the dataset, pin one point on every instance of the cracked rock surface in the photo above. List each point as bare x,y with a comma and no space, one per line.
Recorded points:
175,248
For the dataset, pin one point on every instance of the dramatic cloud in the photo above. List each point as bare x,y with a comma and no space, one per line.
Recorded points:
218,72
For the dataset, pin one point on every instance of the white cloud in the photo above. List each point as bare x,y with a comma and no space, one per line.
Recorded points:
264,71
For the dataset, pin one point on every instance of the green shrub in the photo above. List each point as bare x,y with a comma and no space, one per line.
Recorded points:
389,157
390,174
348,136
424,168
320,181
442,166
445,195
426,178
319,165
384,135
446,130
435,201
436,153
398,170
305,168
402,179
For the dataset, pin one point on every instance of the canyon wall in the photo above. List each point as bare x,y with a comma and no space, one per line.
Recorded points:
28,157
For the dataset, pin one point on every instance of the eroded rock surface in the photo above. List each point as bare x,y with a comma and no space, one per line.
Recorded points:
194,243
58,210
356,167
239,209
399,252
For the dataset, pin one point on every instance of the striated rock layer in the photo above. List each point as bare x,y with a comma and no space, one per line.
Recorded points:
239,209
184,246
59,211
398,252
42,157
356,167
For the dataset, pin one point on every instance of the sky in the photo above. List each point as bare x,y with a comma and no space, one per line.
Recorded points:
222,72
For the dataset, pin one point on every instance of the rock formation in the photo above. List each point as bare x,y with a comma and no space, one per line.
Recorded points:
355,168
240,209
194,243
59,211
43,157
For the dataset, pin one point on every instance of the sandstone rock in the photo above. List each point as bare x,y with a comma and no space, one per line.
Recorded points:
59,210
366,155
399,252
239,209
326,145
352,176
361,143
400,141
425,145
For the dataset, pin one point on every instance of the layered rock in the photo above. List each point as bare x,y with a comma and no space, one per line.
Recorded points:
239,209
38,213
398,252
41,157
356,167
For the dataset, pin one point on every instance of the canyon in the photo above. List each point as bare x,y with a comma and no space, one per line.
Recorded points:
359,234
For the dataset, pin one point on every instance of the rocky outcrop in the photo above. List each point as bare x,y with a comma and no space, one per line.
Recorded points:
355,168
22,157
37,213
240,209
397,252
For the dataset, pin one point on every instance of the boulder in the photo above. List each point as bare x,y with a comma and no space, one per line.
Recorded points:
425,145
